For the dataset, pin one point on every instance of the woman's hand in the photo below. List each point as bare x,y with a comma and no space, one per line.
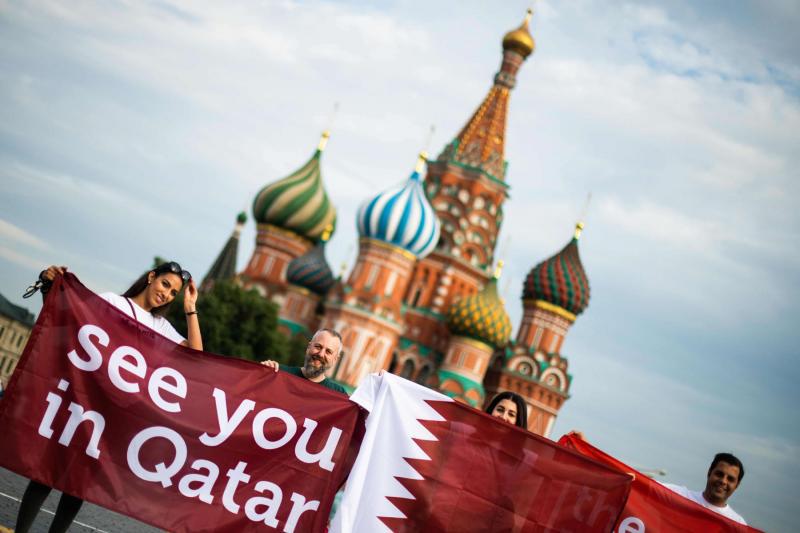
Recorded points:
51,272
45,281
190,297
195,339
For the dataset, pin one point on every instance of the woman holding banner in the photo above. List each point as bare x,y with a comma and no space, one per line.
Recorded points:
147,301
511,407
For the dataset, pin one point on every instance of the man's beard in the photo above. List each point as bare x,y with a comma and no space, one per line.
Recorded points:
311,371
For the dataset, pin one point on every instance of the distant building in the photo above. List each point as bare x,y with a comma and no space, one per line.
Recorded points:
15,327
224,267
422,300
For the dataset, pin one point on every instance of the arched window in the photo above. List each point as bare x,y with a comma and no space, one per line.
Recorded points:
423,375
553,381
415,297
408,369
393,363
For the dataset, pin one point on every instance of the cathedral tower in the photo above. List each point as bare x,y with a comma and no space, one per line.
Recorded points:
555,292
309,279
467,188
291,215
479,325
224,267
395,227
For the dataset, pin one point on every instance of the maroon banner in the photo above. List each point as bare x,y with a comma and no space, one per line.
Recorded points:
430,464
103,408
654,507
487,473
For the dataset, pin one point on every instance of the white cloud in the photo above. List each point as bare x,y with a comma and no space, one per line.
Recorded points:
24,260
661,223
90,194
645,16
769,448
683,57
20,236
234,46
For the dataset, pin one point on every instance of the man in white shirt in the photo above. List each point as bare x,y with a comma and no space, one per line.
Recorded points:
724,475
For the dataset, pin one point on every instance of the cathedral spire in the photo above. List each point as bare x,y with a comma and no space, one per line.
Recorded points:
520,40
224,267
323,140
481,142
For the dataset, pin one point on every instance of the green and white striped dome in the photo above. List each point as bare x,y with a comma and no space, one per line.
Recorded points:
298,202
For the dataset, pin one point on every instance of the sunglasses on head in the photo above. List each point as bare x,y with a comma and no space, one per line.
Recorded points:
175,268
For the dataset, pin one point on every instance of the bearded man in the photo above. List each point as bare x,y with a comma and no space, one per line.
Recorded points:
322,353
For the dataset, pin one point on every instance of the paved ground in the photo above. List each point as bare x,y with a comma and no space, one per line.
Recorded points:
90,518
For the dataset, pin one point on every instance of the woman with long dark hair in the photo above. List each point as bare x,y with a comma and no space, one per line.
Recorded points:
147,300
511,407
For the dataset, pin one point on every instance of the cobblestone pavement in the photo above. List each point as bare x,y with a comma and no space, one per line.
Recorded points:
90,518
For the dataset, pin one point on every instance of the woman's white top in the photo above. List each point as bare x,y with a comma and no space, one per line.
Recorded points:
154,322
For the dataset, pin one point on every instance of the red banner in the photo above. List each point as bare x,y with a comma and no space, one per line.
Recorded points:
654,507
103,408
429,464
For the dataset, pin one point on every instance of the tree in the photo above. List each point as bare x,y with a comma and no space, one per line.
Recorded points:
297,349
239,323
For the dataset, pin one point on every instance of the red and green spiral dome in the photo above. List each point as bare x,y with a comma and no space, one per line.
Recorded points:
560,280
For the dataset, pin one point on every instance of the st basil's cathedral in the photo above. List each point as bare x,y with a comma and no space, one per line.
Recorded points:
422,299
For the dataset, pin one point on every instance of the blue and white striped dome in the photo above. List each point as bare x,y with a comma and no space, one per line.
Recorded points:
402,216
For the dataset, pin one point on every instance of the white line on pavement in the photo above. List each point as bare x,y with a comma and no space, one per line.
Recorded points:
48,511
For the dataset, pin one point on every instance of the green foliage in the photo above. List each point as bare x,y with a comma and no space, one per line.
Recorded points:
297,349
239,323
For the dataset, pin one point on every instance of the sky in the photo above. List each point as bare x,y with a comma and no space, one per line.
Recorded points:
132,129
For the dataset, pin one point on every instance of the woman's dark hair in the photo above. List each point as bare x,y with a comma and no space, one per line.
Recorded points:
141,284
522,407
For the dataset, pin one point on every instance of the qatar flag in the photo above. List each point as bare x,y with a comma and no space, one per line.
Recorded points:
653,507
428,463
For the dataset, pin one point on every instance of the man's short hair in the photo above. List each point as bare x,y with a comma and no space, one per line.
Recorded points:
332,332
729,458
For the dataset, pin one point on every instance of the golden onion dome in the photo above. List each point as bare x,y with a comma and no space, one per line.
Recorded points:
481,316
520,40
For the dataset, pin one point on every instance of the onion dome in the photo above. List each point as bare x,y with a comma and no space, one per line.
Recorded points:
520,40
561,279
311,270
298,202
481,316
402,216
